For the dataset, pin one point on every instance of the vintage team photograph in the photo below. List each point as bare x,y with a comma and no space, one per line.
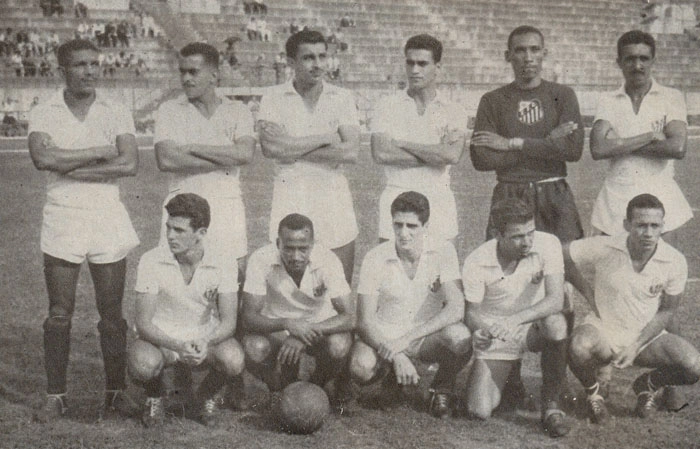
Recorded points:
465,224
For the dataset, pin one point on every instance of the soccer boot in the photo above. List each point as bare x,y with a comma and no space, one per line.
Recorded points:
597,411
439,405
153,413
554,421
54,407
210,412
117,402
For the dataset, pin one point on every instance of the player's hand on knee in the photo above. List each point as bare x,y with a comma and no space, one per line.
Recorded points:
405,371
500,331
303,331
191,352
290,351
388,350
626,357
563,130
482,339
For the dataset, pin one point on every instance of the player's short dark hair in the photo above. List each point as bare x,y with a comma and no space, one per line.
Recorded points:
636,37
65,51
208,52
510,211
303,37
192,206
524,29
425,42
412,202
296,222
644,201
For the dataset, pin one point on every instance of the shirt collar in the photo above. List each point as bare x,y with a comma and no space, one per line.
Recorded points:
165,256
288,88
439,100
655,89
314,263
491,256
389,253
184,101
663,251
58,101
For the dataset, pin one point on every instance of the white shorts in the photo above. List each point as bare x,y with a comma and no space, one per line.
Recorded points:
611,204
507,350
442,224
226,236
100,235
616,339
328,204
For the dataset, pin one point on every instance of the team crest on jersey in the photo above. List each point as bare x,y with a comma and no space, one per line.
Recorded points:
320,289
537,277
530,112
436,284
656,287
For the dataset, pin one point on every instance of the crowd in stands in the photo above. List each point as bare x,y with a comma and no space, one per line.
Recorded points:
118,33
81,11
51,7
30,52
255,7
257,30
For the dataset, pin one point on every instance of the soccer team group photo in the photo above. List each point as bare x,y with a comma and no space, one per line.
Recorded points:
295,265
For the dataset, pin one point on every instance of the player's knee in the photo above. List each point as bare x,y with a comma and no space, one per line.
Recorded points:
363,366
144,360
582,344
59,322
456,338
338,345
554,327
480,410
230,358
257,348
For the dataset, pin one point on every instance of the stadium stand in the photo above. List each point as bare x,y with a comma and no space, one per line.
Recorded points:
580,37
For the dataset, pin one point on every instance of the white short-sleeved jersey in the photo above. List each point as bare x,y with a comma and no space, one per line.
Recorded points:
317,190
184,311
105,121
323,280
396,115
503,295
626,300
180,121
404,303
631,175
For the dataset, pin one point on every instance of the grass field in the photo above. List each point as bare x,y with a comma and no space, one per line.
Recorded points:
24,304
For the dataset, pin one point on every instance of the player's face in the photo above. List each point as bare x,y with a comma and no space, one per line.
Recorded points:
636,62
197,77
645,228
181,237
421,69
310,63
295,249
408,230
525,55
516,240
81,72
